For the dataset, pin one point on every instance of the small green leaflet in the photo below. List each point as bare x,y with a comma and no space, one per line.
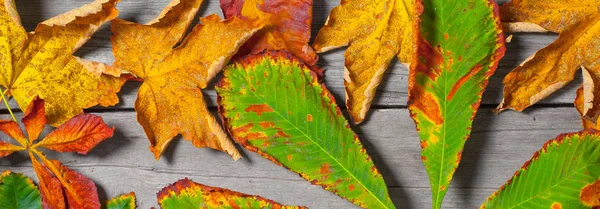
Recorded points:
276,106
186,194
18,191
126,201
565,173
459,44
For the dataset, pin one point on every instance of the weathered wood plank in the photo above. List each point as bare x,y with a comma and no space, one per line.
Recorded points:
498,146
391,93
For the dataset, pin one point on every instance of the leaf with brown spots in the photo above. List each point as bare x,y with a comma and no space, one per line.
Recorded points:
275,105
563,174
170,101
555,66
590,194
375,31
188,194
287,26
551,15
41,63
459,46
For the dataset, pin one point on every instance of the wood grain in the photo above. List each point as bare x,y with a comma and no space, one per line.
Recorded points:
498,146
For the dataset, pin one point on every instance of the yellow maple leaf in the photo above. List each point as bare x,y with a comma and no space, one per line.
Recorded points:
554,66
375,31
170,100
41,63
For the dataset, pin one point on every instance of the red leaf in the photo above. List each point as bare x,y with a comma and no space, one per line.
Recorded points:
80,191
35,118
12,129
80,134
7,149
50,188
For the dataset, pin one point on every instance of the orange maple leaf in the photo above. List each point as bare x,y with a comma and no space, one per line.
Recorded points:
170,100
41,63
57,182
287,26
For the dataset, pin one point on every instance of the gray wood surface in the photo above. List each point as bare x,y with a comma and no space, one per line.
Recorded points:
499,145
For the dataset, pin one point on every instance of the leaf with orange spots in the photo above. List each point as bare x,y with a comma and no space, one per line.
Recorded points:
554,66
41,63
459,45
275,105
287,26
170,100
375,32
60,186
551,15
563,174
188,194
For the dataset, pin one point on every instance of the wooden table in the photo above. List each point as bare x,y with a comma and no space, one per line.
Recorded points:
499,144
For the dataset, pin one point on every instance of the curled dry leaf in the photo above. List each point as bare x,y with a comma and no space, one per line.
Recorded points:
41,63
554,66
126,201
188,194
274,105
17,191
287,26
375,31
459,45
565,173
59,185
552,15
170,100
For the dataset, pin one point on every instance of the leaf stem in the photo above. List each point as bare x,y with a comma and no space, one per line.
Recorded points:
8,106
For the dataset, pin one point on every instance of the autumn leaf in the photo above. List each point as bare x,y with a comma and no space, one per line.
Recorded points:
52,191
375,31
170,100
18,191
287,26
459,46
59,185
554,66
552,15
275,105
188,194
126,201
573,160
40,63
7,149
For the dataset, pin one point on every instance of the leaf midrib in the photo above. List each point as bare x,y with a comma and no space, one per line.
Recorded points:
556,184
309,138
